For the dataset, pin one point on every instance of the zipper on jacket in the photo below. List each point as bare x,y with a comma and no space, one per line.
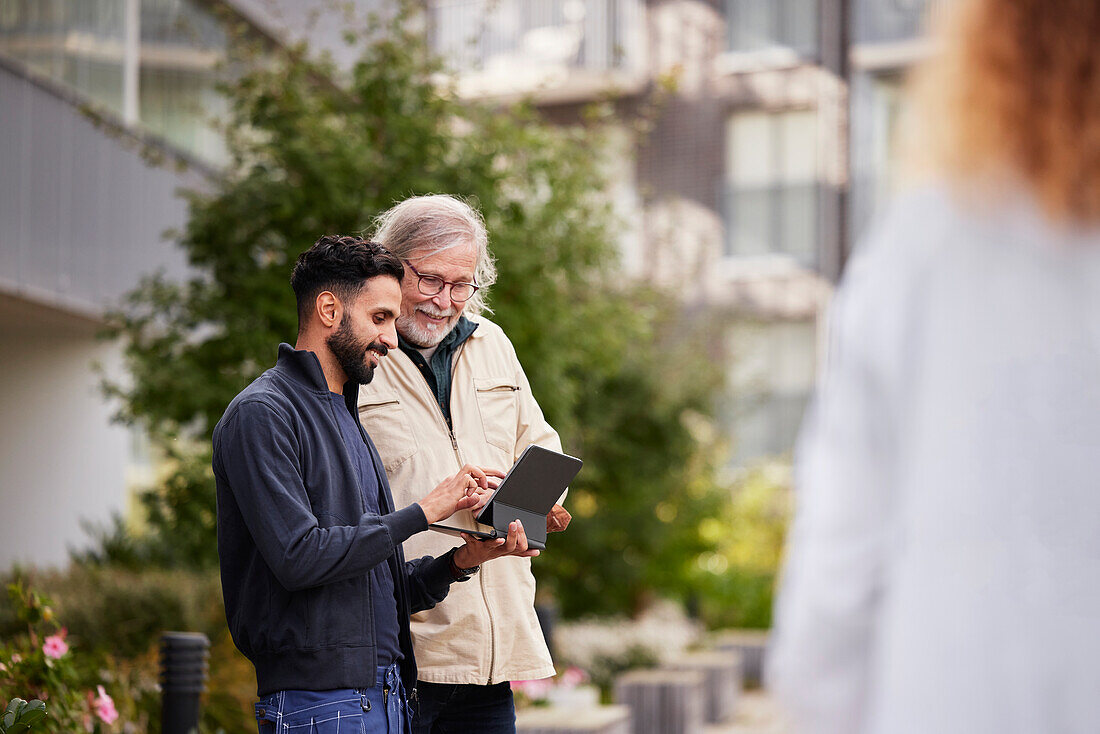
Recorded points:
492,636
481,576
369,602
458,458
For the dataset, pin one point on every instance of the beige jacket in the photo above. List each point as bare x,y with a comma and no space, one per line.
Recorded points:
486,630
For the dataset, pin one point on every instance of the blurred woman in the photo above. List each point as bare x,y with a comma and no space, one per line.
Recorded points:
943,569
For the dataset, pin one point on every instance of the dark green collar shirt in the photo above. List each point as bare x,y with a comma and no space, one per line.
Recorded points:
438,371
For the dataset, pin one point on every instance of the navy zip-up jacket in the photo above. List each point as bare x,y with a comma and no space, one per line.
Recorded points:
296,544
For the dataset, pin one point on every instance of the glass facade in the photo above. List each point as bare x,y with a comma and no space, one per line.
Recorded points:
759,25
502,35
771,193
878,103
171,49
80,44
884,21
881,107
771,379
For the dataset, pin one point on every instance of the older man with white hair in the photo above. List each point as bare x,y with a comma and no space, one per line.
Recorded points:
453,393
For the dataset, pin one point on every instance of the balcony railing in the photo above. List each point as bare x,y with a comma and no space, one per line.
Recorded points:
182,23
103,19
761,25
80,43
508,35
884,21
765,221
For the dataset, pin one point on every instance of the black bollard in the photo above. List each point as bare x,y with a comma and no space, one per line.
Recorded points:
547,615
182,679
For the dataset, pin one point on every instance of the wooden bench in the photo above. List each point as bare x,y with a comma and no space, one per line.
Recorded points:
722,681
589,720
663,701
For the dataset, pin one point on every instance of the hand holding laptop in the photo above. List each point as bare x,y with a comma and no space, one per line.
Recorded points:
479,550
529,493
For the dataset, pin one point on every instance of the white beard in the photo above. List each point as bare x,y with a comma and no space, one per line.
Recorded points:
429,336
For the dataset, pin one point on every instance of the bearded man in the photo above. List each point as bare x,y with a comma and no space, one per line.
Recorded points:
317,590
454,392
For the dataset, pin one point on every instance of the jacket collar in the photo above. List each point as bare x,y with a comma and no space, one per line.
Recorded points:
302,366
476,322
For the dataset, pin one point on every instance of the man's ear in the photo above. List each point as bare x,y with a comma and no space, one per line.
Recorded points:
329,309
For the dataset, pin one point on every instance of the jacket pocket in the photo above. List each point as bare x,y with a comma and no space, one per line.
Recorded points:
498,402
383,416
336,614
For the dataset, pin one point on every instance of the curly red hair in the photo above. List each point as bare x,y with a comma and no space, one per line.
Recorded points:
1015,88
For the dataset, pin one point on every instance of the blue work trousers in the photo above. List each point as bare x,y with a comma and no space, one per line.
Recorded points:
379,710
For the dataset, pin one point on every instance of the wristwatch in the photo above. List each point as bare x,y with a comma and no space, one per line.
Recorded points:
461,574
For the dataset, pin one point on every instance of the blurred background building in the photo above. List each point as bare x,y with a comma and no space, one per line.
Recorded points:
767,148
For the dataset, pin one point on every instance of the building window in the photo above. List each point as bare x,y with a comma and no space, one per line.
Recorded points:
760,25
91,47
77,44
501,36
182,43
770,381
771,187
886,21
880,115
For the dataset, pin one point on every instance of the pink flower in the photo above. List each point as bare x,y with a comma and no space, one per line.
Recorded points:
573,677
104,706
534,689
55,646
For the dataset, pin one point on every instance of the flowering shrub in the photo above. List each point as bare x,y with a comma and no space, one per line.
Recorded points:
39,664
551,690
607,646
115,617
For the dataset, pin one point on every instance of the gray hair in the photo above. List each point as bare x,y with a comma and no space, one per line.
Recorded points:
431,224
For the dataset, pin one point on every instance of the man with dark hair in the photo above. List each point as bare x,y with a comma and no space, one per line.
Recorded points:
317,591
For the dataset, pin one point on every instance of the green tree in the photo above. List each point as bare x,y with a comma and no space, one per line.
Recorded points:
315,150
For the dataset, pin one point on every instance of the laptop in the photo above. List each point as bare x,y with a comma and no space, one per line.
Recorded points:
527,493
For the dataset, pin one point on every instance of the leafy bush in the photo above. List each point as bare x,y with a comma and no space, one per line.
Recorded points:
38,662
607,646
20,716
736,580
123,612
114,618
607,359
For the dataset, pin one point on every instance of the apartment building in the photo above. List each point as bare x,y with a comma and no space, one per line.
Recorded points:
753,177
88,90
746,191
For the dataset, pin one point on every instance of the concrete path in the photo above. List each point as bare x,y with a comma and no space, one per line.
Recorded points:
757,713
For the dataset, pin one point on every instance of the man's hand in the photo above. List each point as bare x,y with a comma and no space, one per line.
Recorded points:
476,552
558,519
466,490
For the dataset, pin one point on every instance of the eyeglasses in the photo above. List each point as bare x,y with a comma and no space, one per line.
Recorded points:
431,285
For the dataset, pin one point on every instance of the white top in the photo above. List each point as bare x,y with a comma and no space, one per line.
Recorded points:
943,570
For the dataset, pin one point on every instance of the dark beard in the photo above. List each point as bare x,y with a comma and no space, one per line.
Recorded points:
351,352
